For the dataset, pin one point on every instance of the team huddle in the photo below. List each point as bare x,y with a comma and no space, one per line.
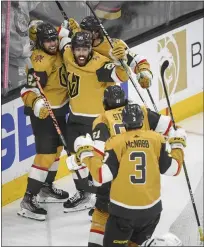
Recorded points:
117,150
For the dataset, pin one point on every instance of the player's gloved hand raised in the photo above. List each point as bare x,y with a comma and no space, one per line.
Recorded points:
144,78
83,147
73,163
118,52
39,108
74,26
177,138
32,29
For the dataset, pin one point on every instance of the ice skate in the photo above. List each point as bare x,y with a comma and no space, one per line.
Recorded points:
31,209
49,193
79,201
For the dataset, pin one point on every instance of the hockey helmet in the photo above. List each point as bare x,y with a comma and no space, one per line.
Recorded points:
90,23
133,116
81,39
46,32
114,97
168,239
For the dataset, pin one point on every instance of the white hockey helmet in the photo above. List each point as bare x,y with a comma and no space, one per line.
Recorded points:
167,239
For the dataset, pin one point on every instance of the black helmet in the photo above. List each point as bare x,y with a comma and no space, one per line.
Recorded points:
90,23
81,39
46,32
133,116
114,97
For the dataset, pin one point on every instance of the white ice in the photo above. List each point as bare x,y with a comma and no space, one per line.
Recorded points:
72,229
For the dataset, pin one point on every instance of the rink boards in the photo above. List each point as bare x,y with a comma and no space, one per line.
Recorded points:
182,47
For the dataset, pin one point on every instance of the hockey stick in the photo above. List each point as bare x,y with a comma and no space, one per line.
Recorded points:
152,100
163,68
121,61
54,120
61,10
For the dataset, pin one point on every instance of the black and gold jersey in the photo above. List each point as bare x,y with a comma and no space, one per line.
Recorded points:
133,161
86,84
135,61
108,124
53,79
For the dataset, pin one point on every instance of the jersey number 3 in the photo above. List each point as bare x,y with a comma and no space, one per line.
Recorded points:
140,167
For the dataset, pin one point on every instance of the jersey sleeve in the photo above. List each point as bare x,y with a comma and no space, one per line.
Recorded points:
109,72
106,169
42,70
100,133
65,42
170,164
137,62
159,123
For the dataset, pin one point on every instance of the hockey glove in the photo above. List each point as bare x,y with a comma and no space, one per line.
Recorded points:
39,108
177,138
32,29
145,78
118,52
83,147
74,26
73,163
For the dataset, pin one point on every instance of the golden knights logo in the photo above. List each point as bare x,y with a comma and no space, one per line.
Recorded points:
38,58
73,84
173,49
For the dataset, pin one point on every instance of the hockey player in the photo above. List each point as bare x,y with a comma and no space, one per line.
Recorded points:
133,162
32,29
105,126
89,74
138,64
49,68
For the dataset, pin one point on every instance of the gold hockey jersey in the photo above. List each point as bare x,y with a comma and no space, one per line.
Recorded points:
133,161
136,62
108,124
86,85
53,79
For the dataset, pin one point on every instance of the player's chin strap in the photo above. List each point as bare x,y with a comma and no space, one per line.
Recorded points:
54,120
163,68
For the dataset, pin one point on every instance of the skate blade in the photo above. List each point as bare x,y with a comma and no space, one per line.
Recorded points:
78,207
27,214
51,200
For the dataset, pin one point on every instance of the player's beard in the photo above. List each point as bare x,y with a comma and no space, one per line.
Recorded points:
81,60
52,51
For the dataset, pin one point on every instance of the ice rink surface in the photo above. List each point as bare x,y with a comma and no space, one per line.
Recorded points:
72,229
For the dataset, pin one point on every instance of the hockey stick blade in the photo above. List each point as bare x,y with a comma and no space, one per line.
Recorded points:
164,67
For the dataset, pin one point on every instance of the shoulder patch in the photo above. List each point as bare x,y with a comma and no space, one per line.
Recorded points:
38,58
